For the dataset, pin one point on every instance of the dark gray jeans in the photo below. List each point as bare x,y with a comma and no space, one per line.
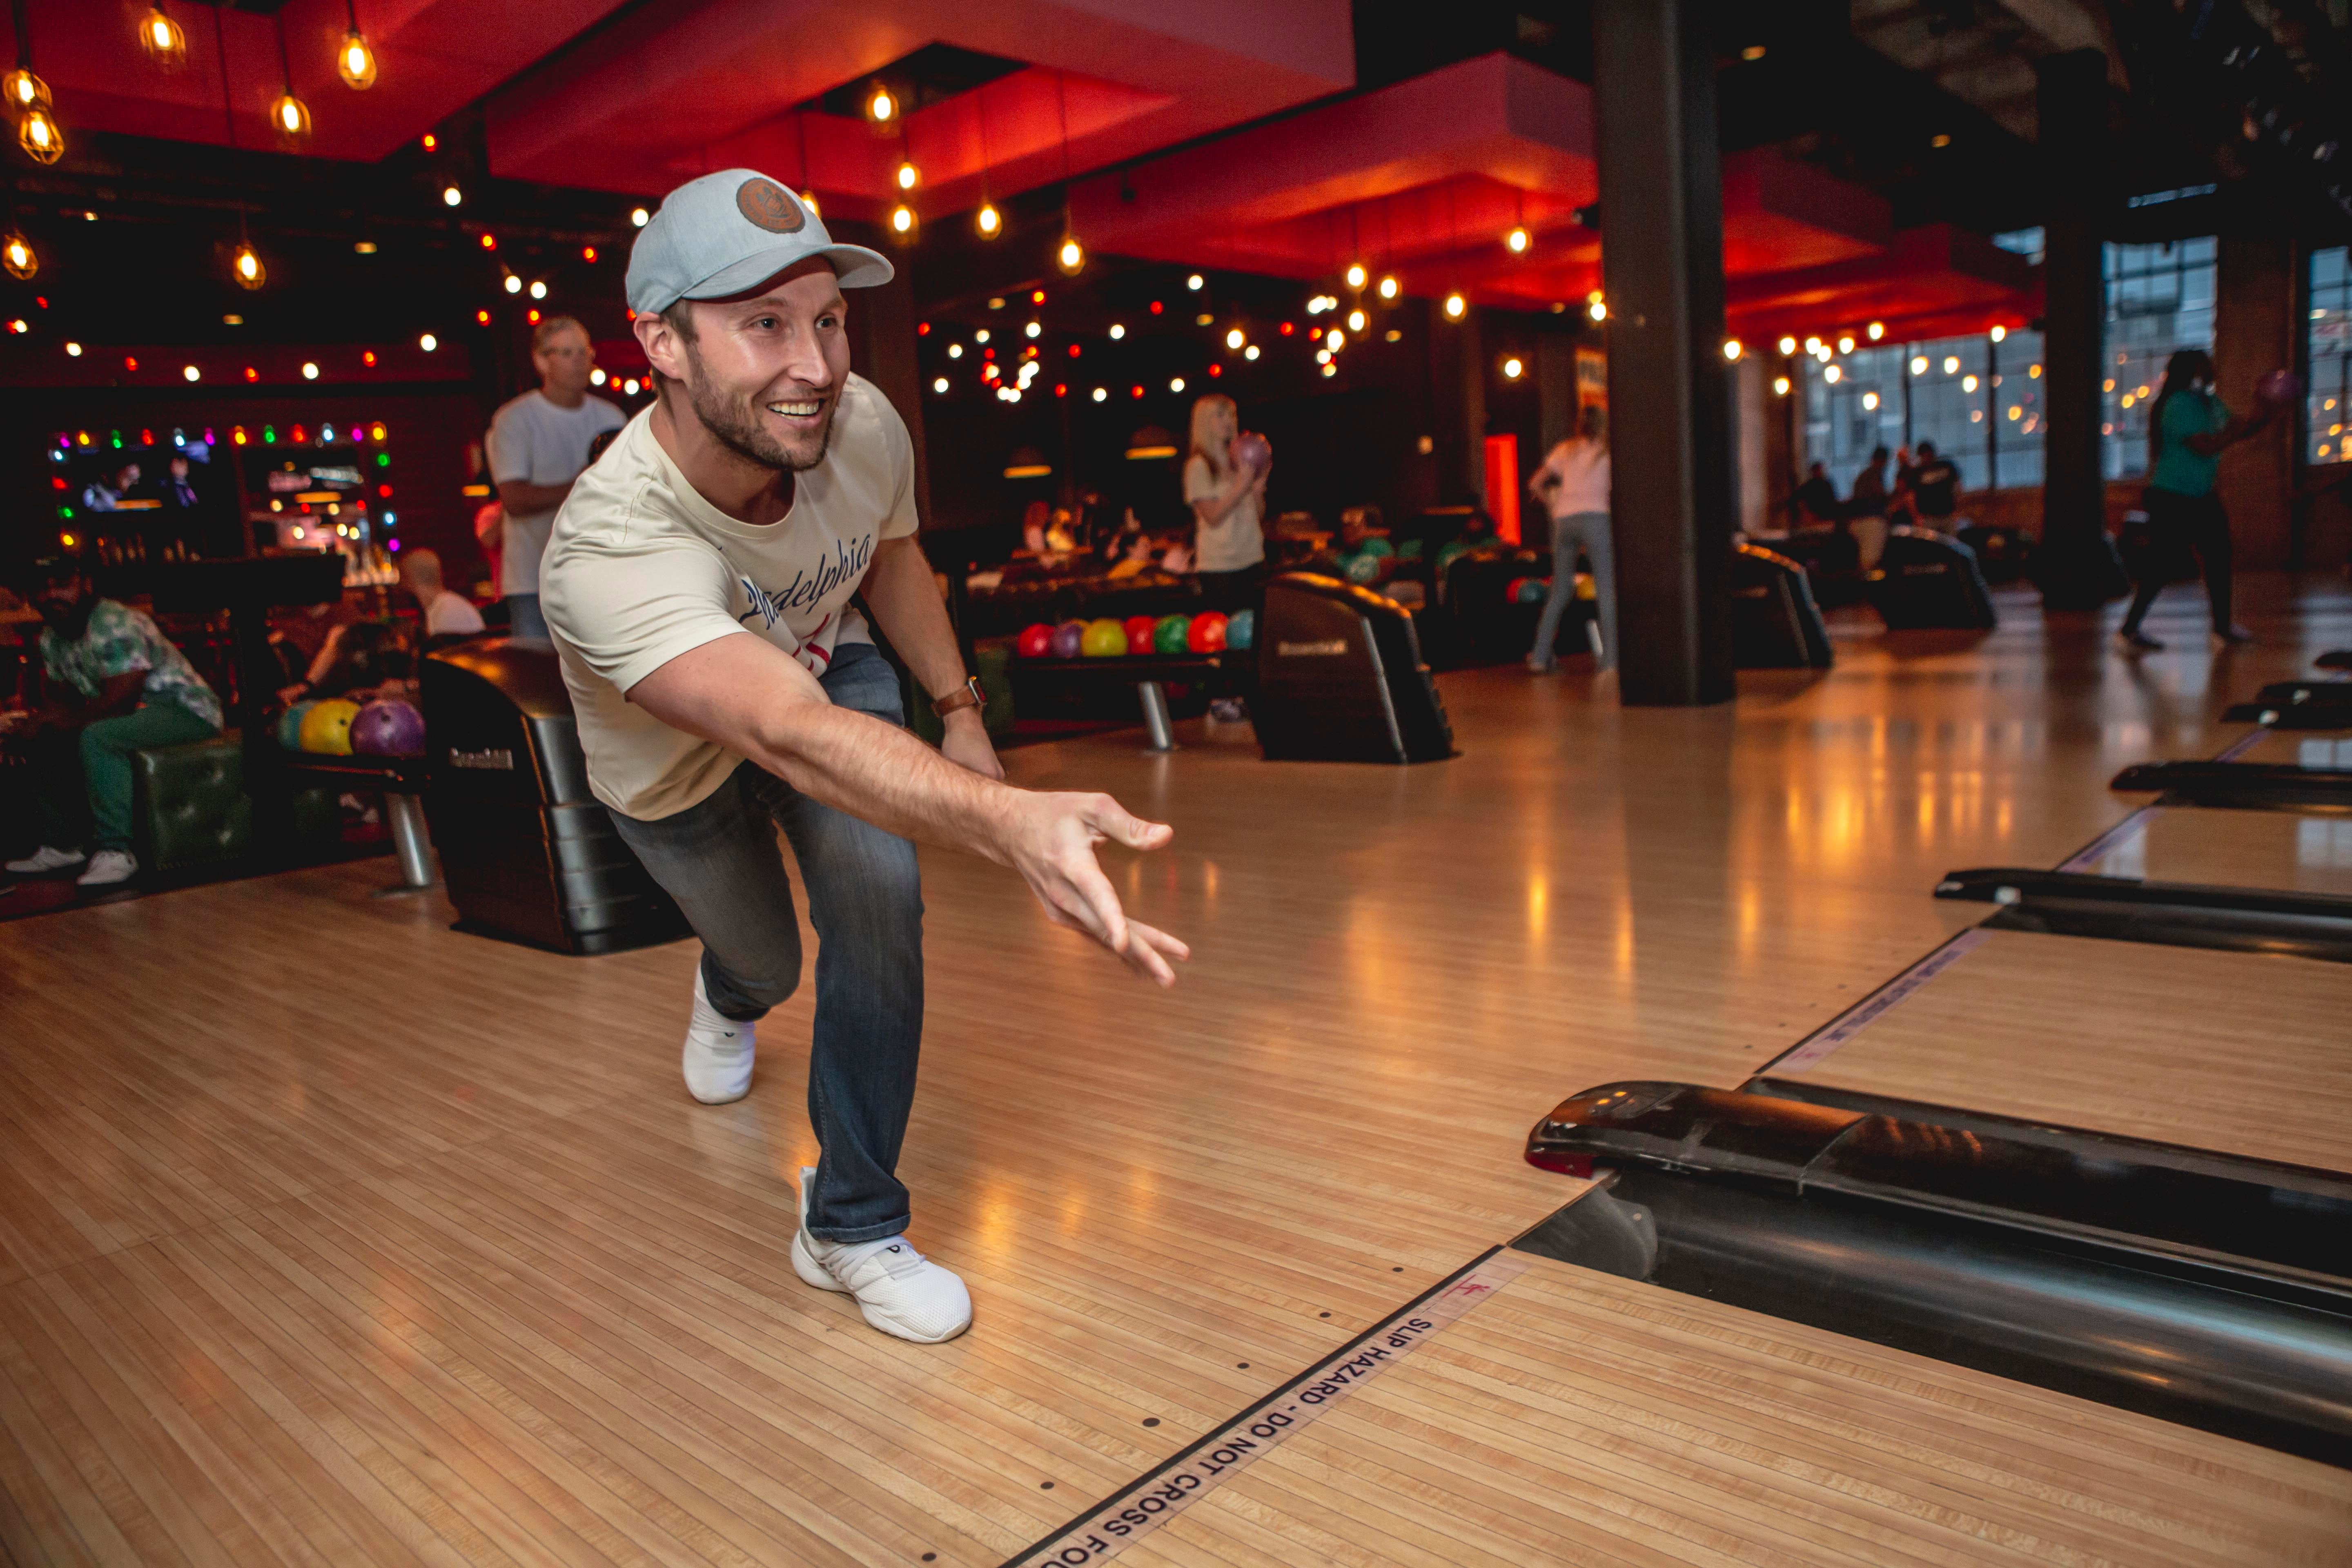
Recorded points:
720,859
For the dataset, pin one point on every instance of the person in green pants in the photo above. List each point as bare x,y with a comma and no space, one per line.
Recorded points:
116,685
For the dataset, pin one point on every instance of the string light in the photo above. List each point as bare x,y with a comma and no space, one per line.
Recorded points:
880,107
1513,368
355,62
1731,348
292,116
1780,386
73,351
309,371
191,373
907,175
1356,275
1455,307
1877,331
639,217
16,256
1356,320
1117,331
1388,288
902,219
38,135
988,221
161,39
1788,347
1516,242
514,284
1235,338
1845,345
25,91
1998,333
1072,256
246,267
1598,310
538,289
451,197
1196,282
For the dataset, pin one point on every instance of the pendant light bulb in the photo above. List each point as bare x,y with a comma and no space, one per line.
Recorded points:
246,267
24,90
355,62
989,222
290,116
907,175
163,40
1454,306
16,256
1356,275
1516,242
1072,256
1389,287
880,107
808,199
902,220
38,135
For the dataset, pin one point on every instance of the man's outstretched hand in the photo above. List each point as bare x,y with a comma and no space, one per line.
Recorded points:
1051,841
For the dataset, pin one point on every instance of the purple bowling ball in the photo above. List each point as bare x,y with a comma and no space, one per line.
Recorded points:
1068,638
1252,450
2279,388
388,729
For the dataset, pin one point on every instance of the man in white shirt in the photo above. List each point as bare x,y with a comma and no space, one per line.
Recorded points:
445,613
698,586
1573,485
537,447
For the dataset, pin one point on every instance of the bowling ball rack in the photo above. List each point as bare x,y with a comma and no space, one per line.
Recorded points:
2208,1289
1150,675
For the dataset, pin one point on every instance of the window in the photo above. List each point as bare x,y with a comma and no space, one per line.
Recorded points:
2328,352
2159,300
1954,392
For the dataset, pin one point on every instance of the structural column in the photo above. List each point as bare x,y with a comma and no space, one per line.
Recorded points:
1669,431
2076,564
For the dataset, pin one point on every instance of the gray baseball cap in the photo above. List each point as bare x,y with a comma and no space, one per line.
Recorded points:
727,232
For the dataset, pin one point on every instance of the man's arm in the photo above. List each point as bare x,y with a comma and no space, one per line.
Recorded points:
516,495
750,697
899,591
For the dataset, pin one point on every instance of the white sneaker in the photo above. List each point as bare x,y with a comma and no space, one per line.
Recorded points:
899,1291
45,859
109,867
718,1051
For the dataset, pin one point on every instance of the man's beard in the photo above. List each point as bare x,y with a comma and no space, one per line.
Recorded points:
737,425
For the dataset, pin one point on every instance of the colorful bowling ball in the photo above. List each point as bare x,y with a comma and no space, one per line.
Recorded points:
1068,638
1035,642
1362,567
388,729
289,725
1584,588
1252,450
1172,635
1103,640
1241,629
327,726
1511,590
1138,633
1208,632
1534,590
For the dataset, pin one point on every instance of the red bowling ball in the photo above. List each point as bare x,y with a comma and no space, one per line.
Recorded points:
1035,642
1138,633
1207,633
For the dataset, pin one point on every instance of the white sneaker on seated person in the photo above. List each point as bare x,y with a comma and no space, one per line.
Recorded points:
109,867
900,1291
45,859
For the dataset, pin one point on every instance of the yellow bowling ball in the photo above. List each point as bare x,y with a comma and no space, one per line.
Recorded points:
1103,640
327,726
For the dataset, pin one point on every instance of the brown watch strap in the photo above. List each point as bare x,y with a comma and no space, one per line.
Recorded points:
967,695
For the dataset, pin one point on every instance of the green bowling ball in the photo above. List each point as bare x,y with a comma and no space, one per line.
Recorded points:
1172,635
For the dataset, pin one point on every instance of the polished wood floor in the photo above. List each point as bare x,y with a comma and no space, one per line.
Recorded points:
327,1235
2273,849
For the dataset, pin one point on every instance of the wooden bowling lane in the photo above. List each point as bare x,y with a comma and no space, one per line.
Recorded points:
2239,1053
2278,850
1577,1418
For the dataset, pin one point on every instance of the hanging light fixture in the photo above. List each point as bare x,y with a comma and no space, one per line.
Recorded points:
902,221
29,94
907,174
1072,256
1356,275
354,61
1388,288
24,90
1454,306
881,108
38,135
244,262
289,114
16,256
1516,242
987,221
808,188
161,39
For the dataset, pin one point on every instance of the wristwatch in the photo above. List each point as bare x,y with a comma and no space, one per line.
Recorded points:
967,695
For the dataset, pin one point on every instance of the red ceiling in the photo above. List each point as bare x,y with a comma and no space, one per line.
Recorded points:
672,91
1422,178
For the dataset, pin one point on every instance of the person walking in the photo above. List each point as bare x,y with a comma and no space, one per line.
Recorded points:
2188,430
1573,486
537,447
698,586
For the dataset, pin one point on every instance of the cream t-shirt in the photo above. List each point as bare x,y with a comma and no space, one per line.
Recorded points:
1237,540
641,569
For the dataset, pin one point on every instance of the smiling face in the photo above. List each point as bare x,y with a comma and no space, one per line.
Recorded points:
762,373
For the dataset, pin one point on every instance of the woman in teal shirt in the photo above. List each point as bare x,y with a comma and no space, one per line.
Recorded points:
2186,429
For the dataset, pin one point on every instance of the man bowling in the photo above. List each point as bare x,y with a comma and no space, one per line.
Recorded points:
698,586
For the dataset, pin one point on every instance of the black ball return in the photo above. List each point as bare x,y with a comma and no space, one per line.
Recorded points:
1150,674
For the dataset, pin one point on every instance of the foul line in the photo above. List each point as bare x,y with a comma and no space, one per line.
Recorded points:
1157,1496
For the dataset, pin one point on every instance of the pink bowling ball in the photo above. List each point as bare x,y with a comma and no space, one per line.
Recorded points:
1252,450
2279,388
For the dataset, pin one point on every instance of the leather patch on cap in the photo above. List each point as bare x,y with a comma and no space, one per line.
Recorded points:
766,204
